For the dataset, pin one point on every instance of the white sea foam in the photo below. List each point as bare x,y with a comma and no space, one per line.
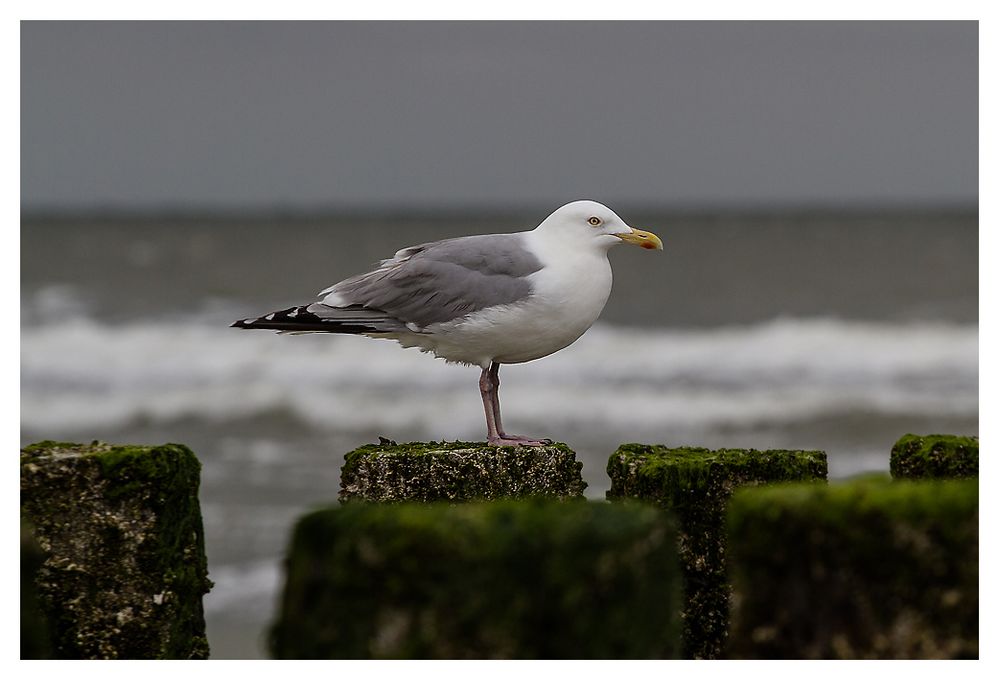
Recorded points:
81,373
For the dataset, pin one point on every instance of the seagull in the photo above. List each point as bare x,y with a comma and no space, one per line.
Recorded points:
482,300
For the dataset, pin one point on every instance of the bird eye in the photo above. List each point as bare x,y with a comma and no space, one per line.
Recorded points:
595,221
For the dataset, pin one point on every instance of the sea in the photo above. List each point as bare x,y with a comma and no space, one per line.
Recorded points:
838,329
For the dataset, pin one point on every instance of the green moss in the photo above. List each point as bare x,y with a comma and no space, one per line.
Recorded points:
861,569
459,471
122,526
507,579
695,484
935,456
56,448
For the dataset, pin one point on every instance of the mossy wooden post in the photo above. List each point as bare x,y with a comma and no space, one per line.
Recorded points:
859,569
36,640
121,530
695,484
918,457
503,579
459,471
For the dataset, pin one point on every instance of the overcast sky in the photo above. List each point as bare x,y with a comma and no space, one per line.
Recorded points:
343,114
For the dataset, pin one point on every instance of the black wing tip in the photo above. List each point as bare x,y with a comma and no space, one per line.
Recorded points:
301,319
274,320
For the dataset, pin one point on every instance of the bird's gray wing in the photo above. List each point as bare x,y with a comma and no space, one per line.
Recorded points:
443,280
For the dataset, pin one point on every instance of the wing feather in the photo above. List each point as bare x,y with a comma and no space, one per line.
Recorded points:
443,280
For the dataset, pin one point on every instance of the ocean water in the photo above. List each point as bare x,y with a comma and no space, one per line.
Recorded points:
836,331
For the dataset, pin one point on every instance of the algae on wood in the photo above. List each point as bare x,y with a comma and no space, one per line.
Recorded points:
459,471
695,485
502,579
860,569
935,456
121,529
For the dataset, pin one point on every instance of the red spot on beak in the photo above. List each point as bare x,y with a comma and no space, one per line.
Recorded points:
647,245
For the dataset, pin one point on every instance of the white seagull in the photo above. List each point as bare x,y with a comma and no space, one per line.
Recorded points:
480,300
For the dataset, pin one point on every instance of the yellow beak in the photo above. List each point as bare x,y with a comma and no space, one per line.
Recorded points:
641,238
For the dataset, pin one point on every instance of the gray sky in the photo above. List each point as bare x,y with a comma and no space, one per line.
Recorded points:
344,114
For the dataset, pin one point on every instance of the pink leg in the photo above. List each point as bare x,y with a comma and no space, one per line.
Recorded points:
489,388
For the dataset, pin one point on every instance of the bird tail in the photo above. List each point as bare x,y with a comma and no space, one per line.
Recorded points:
320,318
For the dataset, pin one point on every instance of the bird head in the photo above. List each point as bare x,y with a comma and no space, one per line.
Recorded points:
595,223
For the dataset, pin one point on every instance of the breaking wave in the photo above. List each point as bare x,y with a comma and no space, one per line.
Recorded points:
82,373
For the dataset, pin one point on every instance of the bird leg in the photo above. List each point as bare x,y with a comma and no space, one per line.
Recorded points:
489,388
